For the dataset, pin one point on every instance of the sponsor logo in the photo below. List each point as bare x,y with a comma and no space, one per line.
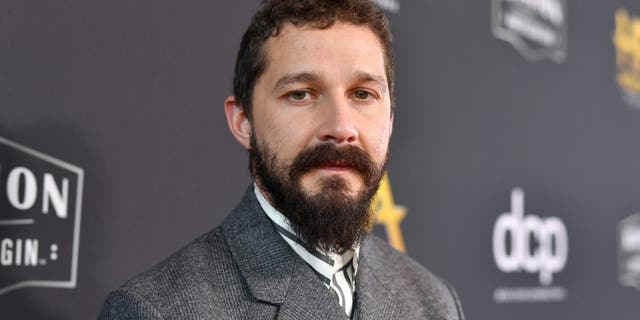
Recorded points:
392,6
626,39
389,214
629,251
40,207
530,244
536,28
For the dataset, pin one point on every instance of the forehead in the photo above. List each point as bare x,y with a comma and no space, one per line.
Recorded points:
340,49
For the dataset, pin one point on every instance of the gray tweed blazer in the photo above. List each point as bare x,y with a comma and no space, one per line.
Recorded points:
243,269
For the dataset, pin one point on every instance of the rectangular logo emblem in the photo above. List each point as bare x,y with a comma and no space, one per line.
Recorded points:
40,209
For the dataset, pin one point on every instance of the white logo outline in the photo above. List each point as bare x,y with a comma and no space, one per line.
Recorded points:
531,55
76,228
628,244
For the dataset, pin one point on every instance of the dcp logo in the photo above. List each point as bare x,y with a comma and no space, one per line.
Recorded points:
537,245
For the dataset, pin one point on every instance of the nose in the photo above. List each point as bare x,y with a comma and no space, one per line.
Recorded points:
337,124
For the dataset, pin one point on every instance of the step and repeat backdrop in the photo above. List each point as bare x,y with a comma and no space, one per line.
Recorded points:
514,166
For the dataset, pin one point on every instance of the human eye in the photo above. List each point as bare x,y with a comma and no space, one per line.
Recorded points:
299,96
364,95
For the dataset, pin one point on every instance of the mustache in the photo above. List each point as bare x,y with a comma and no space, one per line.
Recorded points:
328,154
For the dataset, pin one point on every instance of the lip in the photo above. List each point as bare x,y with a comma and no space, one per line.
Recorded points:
336,168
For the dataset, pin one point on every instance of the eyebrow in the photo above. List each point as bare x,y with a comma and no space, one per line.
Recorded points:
363,76
294,78
360,76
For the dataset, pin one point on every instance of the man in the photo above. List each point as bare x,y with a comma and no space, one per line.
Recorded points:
313,105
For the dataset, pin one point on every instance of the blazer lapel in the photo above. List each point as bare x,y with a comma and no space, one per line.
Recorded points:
272,270
264,262
375,296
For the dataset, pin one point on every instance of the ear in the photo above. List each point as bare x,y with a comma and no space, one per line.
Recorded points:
238,122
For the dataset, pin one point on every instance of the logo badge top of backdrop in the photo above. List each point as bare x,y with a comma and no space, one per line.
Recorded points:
626,39
536,28
392,6
389,214
40,208
514,251
629,251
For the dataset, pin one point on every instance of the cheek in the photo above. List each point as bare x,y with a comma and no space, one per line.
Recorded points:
282,139
381,150
294,131
380,141
268,130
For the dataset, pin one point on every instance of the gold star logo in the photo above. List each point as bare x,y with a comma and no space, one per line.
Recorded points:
389,214
626,38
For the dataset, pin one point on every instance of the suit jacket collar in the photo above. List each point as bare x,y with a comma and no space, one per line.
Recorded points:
376,285
273,272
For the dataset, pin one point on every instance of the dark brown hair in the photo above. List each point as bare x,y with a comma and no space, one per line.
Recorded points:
321,14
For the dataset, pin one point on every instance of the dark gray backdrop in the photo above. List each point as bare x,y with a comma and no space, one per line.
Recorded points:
132,92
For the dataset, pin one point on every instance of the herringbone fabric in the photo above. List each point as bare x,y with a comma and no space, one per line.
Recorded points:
245,270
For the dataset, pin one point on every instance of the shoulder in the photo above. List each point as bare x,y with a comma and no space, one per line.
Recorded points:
400,269
410,281
193,278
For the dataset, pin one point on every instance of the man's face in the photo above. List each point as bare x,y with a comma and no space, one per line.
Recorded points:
323,87
321,122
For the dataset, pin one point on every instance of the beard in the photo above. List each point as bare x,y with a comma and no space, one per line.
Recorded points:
331,219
